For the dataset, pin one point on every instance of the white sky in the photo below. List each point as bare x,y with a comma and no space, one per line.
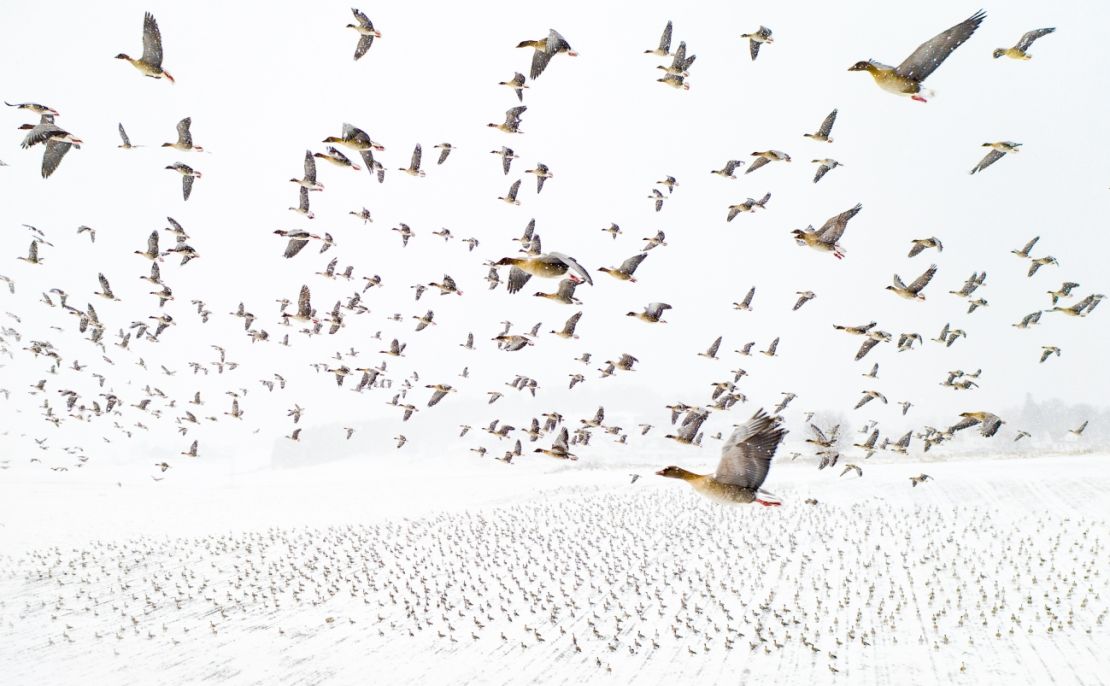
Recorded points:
262,87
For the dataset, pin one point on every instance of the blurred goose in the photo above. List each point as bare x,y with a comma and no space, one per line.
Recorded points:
414,166
512,120
745,462
568,327
337,158
664,48
303,206
150,64
868,396
510,197
447,286
32,256
1079,430
654,241
125,142
1040,262
355,139
728,171
33,107
1048,351
748,205
545,49
746,303
187,176
439,392
803,298
304,312
309,180
184,137
998,151
823,132
711,352
766,157
674,81
653,313
366,33
57,142
987,422
827,238
445,149
542,172
772,349
913,291
756,39
669,183
507,157
298,239
1020,51
919,479
564,294
550,265
1064,291
852,468
559,448
517,84
906,78
1024,252
627,269
920,244
826,165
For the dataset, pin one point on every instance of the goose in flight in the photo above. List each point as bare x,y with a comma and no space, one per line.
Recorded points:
664,49
184,141
1020,50
652,314
728,171
627,269
366,32
999,150
559,448
756,39
150,64
545,49
414,166
517,84
745,462
187,176
766,157
549,265
749,205
1024,252
309,180
827,238
803,298
913,291
822,134
825,166
512,121
125,142
907,78
920,244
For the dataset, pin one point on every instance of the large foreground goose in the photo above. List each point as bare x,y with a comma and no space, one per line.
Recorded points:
150,64
745,461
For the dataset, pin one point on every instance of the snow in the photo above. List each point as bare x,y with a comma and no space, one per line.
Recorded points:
478,572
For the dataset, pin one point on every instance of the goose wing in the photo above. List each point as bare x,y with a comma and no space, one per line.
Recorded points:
746,456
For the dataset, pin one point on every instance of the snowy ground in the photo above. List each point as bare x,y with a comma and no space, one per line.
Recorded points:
994,572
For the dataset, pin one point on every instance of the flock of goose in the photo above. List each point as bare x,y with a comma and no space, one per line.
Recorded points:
745,456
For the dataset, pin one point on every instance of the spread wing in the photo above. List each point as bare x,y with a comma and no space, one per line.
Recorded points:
309,167
924,279
754,44
629,265
760,161
865,348
183,135
821,171
186,186
990,158
916,249
832,230
517,278
655,310
123,136
294,246
573,264
436,397
443,153
746,456
304,305
364,43
665,39
152,41
932,52
52,156
1030,36
826,126
417,152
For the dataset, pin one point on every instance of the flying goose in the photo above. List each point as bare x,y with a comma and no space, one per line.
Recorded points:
187,176
150,64
512,120
184,137
823,132
920,244
803,298
517,84
568,328
545,49
510,197
653,313
906,78
745,462
827,238
746,303
366,33
1019,51
766,157
763,35
1024,252
559,448
825,166
125,141
999,150
414,166
728,171
542,172
564,294
664,48
549,265
748,205
337,158
445,149
627,269
1040,262
913,291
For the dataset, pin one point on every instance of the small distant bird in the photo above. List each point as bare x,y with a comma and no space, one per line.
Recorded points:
1019,51
664,49
758,38
414,166
711,352
658,197
627,269
826,165
1040,262
92,237
1048,351
184,140
746,303
803,298
913,291
919,479
827,238
748,205
907,78
366,33
920,244
542,173
653,313
545,49
444,150
517,84
150,64
825,129
1024,252
510,197
999,150
852,468
766,157
187,176
728,171
125,141
1079,431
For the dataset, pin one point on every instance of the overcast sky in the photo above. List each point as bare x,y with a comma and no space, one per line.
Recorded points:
262,87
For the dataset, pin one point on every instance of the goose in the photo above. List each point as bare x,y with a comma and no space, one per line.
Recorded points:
913,291
771,349
746,303
150,64
545,49
920,244
919,479
907,78
187,176
366,33
711,351
151,253
507,156
803,298
542,172
1024,252
664,48
987,422
748,205
512,120
1020,50
564,294
1040,262
105,288
745,463
125,142
309,180
999,150
548,265
868,396
510,197
756,39
680,64
766,157
827,238
517,84
337,158
192,451
358,140
444,149
1048,351
414,166
824,167
33,107
654,241
184,137
822,134
1064,291
674,81
298,239
447,286
304,312
439,392
1079,430
627,269
728,171
303,205
652,314
32,257
568,328
658,197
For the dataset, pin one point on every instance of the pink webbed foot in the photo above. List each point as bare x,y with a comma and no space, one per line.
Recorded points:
918,98
768,503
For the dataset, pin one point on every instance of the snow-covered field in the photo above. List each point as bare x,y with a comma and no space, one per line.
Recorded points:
993,572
